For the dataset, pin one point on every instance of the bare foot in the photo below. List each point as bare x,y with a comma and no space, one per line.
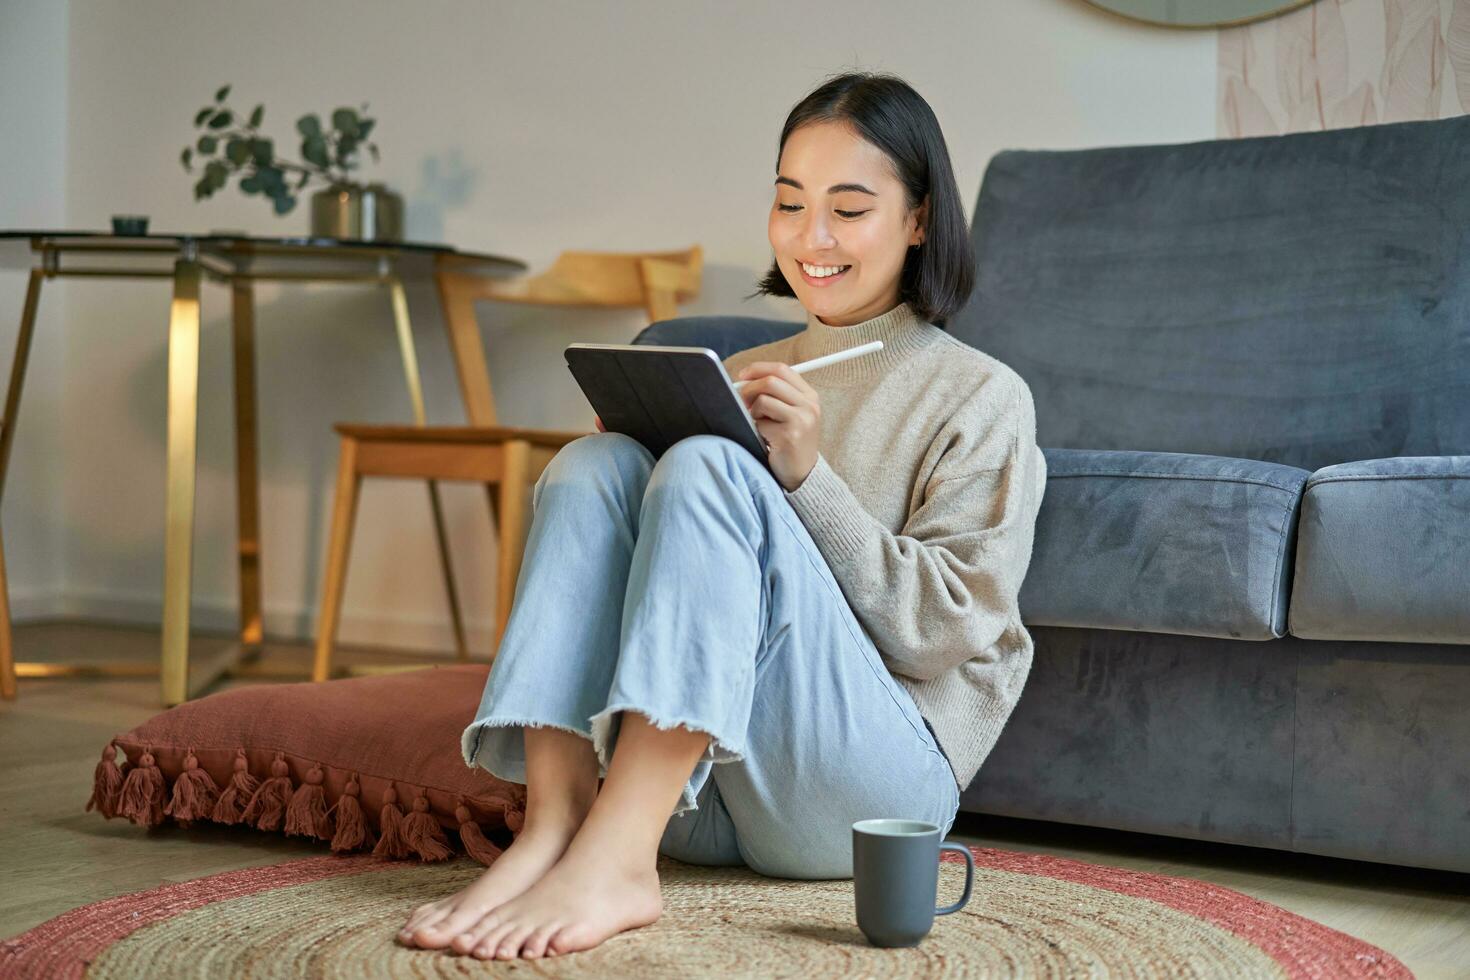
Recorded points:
530,855
576,905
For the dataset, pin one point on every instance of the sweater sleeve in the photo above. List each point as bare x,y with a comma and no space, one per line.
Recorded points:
944,589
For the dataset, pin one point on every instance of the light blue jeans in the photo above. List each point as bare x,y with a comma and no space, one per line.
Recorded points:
689,591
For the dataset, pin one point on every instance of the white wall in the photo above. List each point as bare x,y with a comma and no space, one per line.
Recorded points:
33,101
521,129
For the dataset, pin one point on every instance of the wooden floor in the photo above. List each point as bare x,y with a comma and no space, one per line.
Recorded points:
54,856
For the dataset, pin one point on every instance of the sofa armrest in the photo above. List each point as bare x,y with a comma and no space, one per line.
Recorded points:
1163,542
1385,552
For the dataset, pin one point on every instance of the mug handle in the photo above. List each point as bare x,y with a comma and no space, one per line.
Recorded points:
969,877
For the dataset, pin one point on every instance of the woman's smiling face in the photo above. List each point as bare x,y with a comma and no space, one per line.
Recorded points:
839,206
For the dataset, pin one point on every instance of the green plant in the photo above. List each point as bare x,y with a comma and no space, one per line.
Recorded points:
231,144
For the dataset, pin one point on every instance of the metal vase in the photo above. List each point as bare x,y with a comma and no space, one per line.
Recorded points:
352,211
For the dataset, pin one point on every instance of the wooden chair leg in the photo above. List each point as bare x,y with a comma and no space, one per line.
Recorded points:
512,529
334,581
7,653
492,493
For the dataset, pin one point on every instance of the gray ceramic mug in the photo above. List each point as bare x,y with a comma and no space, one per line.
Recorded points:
895,877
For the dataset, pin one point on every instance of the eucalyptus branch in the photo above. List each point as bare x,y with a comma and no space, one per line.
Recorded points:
231,144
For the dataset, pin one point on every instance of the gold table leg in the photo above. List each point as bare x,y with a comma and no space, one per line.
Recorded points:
183,381
183,408
18,371
416,395
8,667
12,406
247,469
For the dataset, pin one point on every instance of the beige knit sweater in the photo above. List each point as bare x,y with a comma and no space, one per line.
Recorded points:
923,501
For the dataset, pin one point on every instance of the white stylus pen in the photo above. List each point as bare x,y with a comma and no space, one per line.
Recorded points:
825,359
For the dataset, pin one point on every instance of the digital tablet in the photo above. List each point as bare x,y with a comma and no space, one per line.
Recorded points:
659,395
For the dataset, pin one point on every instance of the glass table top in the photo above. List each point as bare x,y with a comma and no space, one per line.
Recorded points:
259,256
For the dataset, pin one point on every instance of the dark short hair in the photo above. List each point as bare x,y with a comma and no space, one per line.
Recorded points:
938,273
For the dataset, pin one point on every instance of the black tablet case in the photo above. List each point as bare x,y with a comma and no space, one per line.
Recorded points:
659,395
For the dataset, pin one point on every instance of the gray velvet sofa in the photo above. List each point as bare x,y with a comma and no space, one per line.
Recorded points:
1250,588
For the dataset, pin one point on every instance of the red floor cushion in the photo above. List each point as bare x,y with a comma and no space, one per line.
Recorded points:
366,763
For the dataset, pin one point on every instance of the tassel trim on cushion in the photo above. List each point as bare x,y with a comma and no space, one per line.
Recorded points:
353,832
195,793
476,844
267,808
142,793
390,825
107,782
306,815
421,831
232,799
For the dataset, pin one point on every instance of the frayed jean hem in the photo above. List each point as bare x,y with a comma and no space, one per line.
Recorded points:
492,757
605,726
474,749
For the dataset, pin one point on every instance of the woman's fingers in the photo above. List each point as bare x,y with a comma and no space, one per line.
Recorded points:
767,407
597,421
781,371
776,387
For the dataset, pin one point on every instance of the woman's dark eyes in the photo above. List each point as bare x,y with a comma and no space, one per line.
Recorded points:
793,208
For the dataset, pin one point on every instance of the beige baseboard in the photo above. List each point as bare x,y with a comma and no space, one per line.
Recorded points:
358,628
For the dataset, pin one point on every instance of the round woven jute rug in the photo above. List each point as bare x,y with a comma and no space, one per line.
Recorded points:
1030,916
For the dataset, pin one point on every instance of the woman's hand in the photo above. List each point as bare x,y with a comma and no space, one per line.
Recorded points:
597,421
788,415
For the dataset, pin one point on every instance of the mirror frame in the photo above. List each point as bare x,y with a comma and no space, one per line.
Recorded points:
1288,7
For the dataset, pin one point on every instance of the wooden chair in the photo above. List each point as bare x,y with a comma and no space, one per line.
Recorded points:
507,460
656,281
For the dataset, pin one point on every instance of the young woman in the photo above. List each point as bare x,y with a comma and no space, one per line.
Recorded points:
752,660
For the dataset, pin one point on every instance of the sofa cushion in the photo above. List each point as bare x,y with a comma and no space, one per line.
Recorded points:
1166,297
722,334
1385,552
1163,542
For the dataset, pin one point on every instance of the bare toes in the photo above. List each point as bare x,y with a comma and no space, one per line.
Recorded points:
431,936
443,932
489,941
564,940
475,934
415,933
535,946
422,916
510,946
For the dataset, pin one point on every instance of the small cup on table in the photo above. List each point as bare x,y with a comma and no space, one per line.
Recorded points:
130,225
